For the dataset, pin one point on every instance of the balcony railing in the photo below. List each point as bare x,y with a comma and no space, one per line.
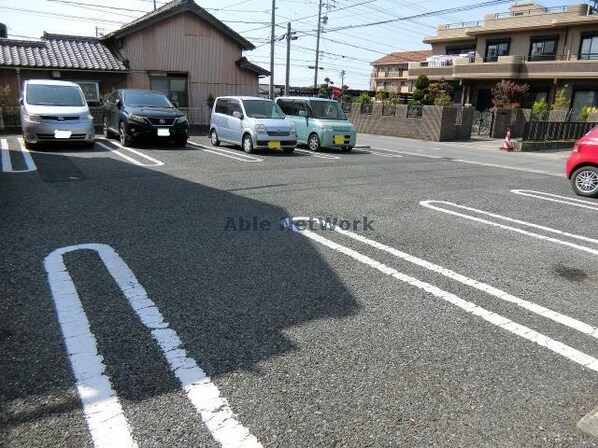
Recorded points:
530,11
450,26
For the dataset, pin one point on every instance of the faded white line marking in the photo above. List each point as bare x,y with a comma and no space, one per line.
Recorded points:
509,167
417,154
7,163
155,162
103,412
589,423
316,154
488,289
241,157
557,198
428,204
376,153
500,321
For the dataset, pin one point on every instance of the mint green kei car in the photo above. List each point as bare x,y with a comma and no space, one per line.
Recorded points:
320,122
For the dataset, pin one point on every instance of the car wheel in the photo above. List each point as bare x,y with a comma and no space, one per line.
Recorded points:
180,142
247,144
29,145
105,130
313,142
347,148
288,150
125,139
585,181
214,138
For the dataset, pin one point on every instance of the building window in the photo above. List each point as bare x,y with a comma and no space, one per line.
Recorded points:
456,51
582,98
543,49
174,87
91,90
496,48
588,49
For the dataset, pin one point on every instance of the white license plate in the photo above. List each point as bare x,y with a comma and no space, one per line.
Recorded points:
163,132
62,134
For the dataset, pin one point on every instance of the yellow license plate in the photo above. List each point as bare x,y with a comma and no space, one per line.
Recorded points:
339,139
274,145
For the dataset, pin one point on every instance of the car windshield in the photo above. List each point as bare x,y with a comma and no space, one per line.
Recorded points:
146,99
262,109
49,95
330,110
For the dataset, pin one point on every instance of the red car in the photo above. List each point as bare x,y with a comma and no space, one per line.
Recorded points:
582,165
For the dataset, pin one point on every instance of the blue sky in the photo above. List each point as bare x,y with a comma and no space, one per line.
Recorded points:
351,49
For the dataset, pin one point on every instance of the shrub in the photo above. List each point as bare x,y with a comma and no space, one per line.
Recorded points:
393,98
539,109
364,97
380,95
443,100
210,100
422,82
586,111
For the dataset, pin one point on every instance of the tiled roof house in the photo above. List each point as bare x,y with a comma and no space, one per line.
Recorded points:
180,49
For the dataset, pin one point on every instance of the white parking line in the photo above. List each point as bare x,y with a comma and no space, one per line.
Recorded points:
316,154
557,198
6,162
428,204
428,156
155,162
103,412
500,321
241,157
376,153
510,167
488,289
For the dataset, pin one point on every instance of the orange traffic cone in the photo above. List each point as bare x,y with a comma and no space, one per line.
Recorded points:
507,145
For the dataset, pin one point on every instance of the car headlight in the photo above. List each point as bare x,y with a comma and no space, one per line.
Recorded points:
137,118
87,117
260,129
327,128
33,118
182,119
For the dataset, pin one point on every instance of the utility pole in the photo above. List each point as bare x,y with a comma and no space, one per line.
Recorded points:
154,5
291,35
272,50
343,73
318,46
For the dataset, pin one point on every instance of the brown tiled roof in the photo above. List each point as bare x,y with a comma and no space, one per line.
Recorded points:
55,51
171,9
403,57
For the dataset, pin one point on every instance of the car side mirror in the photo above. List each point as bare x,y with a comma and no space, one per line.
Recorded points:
238,115
118,103
303,114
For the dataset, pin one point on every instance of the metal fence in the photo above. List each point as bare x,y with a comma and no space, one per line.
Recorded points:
415,111
366,108
389,110
556,130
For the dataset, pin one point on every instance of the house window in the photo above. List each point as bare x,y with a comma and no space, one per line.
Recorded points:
543,49
91,90
582,98
588,49
174,87
496,48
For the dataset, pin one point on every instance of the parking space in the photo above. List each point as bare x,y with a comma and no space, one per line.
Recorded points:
202,296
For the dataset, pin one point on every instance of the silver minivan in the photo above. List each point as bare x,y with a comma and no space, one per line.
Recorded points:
251,122
55,112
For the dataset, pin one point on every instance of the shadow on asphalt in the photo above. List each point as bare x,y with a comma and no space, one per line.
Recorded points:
230,294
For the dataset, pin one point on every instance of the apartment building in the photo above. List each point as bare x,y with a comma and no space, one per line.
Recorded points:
390,73
547,48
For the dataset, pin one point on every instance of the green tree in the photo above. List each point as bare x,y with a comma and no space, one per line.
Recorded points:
380,95
210,100
561,101
586,111
443,99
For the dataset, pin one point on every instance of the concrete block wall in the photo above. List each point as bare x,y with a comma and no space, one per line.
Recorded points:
437,123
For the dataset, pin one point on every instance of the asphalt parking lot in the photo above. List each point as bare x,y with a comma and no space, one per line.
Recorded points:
198,297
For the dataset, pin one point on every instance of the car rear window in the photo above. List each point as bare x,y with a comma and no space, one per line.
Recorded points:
50,95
